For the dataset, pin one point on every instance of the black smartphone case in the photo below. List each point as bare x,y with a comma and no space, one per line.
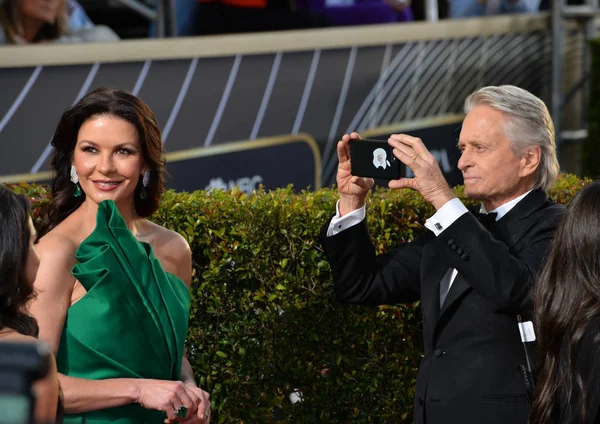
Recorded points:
368,160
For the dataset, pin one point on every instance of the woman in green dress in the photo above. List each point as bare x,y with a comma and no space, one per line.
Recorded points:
113,287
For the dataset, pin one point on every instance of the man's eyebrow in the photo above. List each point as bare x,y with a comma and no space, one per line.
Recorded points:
473,141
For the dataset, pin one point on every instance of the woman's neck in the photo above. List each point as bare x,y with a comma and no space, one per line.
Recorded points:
31,28
127,211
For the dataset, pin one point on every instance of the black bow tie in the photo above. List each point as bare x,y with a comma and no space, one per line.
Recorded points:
486,219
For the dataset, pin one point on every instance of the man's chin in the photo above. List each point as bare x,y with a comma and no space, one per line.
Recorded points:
473,194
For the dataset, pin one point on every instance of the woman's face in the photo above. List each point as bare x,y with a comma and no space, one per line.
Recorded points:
41,10
108,158
33,260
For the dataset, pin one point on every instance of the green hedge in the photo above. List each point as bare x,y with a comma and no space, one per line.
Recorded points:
264,320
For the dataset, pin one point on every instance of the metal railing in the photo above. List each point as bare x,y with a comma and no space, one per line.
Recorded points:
586,15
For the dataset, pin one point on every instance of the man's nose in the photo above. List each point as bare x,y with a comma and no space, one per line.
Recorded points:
464,161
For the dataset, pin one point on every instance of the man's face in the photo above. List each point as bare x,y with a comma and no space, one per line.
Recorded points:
492,172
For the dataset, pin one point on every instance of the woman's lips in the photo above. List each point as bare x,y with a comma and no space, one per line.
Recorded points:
106,185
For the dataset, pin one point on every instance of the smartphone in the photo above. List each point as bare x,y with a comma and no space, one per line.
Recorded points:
374,159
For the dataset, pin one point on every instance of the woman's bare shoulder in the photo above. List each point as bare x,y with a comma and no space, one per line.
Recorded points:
57,244
170,240
57,256
65,237
173,251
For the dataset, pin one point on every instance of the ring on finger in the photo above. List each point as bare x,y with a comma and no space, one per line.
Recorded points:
182,411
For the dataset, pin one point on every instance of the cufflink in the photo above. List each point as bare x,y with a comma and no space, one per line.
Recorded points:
438,226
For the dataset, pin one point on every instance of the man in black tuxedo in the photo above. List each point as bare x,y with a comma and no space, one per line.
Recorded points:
472,280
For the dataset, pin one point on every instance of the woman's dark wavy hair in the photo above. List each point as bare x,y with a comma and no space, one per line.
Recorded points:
15,290
566,299
111,102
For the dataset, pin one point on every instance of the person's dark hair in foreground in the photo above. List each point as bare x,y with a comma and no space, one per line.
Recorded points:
16,289
567,318
19,263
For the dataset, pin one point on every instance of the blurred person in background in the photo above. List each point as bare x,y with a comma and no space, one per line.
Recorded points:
235,16
567,318
186,15
48,21
474,8
19,262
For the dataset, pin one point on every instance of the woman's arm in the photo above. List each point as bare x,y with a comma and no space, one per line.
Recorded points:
187,376
178,261
187,373
54,286
82,395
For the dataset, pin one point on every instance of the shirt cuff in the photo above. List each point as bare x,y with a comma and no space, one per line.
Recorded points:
340,223
446,216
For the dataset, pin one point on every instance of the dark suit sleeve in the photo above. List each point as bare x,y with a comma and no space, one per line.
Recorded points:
503,275
362,277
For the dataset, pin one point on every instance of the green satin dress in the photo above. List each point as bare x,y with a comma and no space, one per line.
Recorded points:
131,323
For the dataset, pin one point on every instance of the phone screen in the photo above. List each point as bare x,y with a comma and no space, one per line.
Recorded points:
374,159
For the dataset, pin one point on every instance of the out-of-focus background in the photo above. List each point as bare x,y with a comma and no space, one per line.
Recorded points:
251,92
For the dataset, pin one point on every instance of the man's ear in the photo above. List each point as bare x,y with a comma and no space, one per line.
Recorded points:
530,161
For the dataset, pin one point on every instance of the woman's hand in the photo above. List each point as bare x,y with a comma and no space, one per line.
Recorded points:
203,413
169,396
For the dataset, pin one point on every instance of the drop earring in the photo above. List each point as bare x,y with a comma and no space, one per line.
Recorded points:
145,183
75,180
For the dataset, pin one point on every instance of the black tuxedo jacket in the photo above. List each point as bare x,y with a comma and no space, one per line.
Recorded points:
472,348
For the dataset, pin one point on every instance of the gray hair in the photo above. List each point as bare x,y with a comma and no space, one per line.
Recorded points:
528,125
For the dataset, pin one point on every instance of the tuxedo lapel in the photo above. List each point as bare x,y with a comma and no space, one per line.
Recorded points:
509,229
458,288
515,223
430,289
